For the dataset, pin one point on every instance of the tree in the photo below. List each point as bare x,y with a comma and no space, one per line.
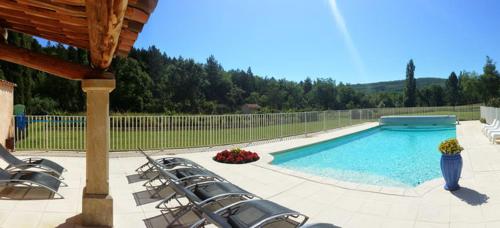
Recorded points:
410,90
452,89
133,90
470,88
490,80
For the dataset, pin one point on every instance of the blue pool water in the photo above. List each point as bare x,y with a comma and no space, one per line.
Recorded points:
401,156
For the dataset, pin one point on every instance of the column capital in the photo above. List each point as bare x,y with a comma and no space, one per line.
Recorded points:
98,84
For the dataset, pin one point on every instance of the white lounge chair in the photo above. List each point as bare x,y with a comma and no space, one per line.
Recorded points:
488,131
495,125
494,135
490,125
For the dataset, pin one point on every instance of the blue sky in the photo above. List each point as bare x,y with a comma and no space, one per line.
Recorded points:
348,40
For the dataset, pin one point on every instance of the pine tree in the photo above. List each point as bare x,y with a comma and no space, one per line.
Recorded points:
452,89
410,90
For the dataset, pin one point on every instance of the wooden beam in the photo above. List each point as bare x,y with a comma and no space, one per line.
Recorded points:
105,20
46,63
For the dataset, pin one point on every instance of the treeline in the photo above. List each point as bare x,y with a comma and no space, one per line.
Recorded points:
149,81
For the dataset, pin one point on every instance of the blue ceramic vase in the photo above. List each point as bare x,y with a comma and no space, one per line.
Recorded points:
451,168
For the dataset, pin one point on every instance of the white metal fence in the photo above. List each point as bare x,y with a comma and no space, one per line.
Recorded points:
490,113
167,132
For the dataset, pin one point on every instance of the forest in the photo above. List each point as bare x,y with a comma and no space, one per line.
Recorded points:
150,81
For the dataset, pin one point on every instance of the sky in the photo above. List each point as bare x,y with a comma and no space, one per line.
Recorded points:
352,41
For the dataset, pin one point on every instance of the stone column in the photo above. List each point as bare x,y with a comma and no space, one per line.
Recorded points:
97,208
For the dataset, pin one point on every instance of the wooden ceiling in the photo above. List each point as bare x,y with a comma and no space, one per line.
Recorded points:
66,21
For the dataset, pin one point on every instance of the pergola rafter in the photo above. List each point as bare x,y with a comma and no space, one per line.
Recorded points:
103,27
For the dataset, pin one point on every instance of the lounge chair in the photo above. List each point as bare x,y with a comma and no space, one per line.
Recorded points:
198,195
29,178
489,131
166,162
495,125
15,163
183,175
252,213
489,125
494,135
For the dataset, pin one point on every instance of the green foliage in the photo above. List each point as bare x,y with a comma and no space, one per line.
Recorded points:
450,147
490,80
494,102
42,106
396,86
410,91
482,120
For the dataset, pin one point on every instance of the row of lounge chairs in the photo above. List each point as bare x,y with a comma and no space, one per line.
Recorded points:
214,199
31,172
492,131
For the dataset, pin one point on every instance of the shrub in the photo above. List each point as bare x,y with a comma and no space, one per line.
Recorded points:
450,147
494,102
482,120
236,156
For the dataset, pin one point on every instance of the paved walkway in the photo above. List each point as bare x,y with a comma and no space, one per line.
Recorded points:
477,204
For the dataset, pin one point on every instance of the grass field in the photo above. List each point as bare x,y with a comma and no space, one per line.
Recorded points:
165,132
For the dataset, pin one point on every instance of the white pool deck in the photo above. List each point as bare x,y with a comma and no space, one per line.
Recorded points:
344,204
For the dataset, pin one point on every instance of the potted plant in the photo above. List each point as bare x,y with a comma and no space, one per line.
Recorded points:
451,163
236,156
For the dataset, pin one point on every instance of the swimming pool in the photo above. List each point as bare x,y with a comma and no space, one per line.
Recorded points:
400,156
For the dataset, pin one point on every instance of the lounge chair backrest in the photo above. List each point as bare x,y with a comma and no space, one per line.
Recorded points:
8,157
176,186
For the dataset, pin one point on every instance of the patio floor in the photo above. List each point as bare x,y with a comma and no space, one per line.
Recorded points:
477,204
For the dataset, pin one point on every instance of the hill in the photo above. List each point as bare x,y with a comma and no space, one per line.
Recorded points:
396,86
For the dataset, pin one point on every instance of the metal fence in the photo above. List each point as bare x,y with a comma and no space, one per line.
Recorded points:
169,132
490,113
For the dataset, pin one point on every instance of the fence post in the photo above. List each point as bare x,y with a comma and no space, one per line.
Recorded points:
350,117
324,120
46,135
281,126
305,123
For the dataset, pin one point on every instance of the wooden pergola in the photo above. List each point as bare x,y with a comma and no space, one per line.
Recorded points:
105,28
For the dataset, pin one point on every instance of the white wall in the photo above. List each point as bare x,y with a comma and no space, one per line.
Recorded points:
6,110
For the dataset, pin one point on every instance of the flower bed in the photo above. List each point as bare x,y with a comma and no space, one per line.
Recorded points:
236,156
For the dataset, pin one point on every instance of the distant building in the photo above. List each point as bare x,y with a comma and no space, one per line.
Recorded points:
6,111
250,108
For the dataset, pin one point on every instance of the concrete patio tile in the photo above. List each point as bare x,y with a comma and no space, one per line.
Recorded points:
375,208
65,205
32,205
466,214
349,203
22,219
362,220
49,220
467,225
4,214
129,220
6,204
420,224
491,212
433,213
492,224
391,223
336,216
403,210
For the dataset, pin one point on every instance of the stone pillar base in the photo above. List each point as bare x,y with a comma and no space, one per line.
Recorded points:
97,210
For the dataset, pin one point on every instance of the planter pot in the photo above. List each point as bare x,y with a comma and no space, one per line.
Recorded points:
451,168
